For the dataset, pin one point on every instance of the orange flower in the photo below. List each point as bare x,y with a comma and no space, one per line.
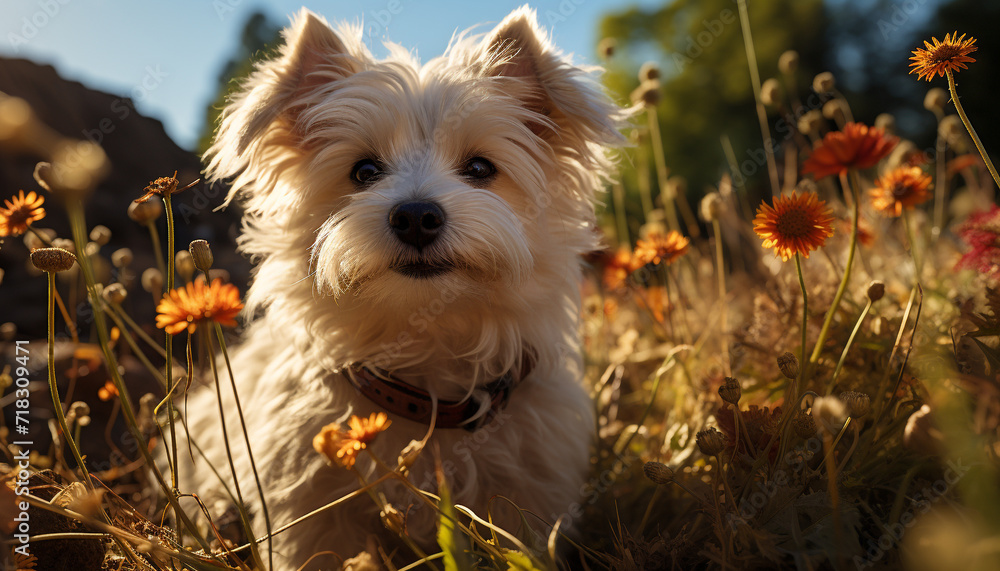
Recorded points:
902,187
856,146
962,162
796,224
658,248
20,212
108,391
186,307
941,58
617,269
343,446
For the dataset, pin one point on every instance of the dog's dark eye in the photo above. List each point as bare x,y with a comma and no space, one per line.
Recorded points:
479,167
365,171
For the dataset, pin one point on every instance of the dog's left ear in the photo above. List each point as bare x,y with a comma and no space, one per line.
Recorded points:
565,99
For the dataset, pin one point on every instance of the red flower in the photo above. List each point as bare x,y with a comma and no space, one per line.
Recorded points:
856,146
981,231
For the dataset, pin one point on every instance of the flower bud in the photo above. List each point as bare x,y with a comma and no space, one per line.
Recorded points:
184,264
935,100
858,404
122,257
788,364
146,212
201,253
658,472
824,83
712,206
804,426
410,454
811,122
770,93
65,244
649,71
710,441
886,122
114,293
52,259
829,413
152,280
788,62
731,391
876,290
648,93
393,519
100,234
834,110
606,48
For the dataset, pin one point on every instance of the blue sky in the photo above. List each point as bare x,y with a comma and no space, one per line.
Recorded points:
167,54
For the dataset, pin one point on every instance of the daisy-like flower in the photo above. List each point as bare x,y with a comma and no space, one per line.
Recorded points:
185,307
903,187
940,58
659,248
795,224
164,187
343,446
856,146
617,268
19,212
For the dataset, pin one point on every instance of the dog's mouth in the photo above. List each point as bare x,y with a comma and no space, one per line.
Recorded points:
422,270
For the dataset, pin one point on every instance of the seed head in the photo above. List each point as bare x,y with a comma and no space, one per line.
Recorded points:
606,48
829,413
647,94
114,293
393,519
858,404
770,92
152,280
658,472
710,441
886,122
824,83
100,234
146,212
935,100
649,71
811,122
788,364
122,257
52,259
876,290
184,264
731,391
804,426
201,253
788,62
712,206
834,110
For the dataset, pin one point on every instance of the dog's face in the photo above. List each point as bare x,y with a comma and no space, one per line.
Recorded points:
385,183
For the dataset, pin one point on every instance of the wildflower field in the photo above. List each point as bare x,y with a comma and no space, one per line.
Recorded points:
807,381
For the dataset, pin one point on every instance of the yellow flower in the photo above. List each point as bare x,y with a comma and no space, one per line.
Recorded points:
659,248
941,58
903,187
186,307
796,224
20,212
343,446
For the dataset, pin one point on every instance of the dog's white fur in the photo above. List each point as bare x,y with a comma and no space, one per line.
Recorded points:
326,295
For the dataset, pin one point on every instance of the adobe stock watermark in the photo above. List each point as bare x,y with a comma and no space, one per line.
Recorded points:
33,24
122,108
223,8
899,15
379,20
700,41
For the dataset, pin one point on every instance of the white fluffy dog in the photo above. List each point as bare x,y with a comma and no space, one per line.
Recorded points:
417,231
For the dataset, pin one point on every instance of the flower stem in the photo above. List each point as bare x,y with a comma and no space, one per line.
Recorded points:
805,322
154,236
818,348
720,269
850,340
621,223
54,388
968,126
917,265
772,167
168,372
246,439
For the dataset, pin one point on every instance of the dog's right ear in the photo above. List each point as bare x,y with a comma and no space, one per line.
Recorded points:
267,106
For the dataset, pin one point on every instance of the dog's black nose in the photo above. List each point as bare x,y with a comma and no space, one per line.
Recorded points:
416,223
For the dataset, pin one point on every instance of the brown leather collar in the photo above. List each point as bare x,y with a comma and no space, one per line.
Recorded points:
416,404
